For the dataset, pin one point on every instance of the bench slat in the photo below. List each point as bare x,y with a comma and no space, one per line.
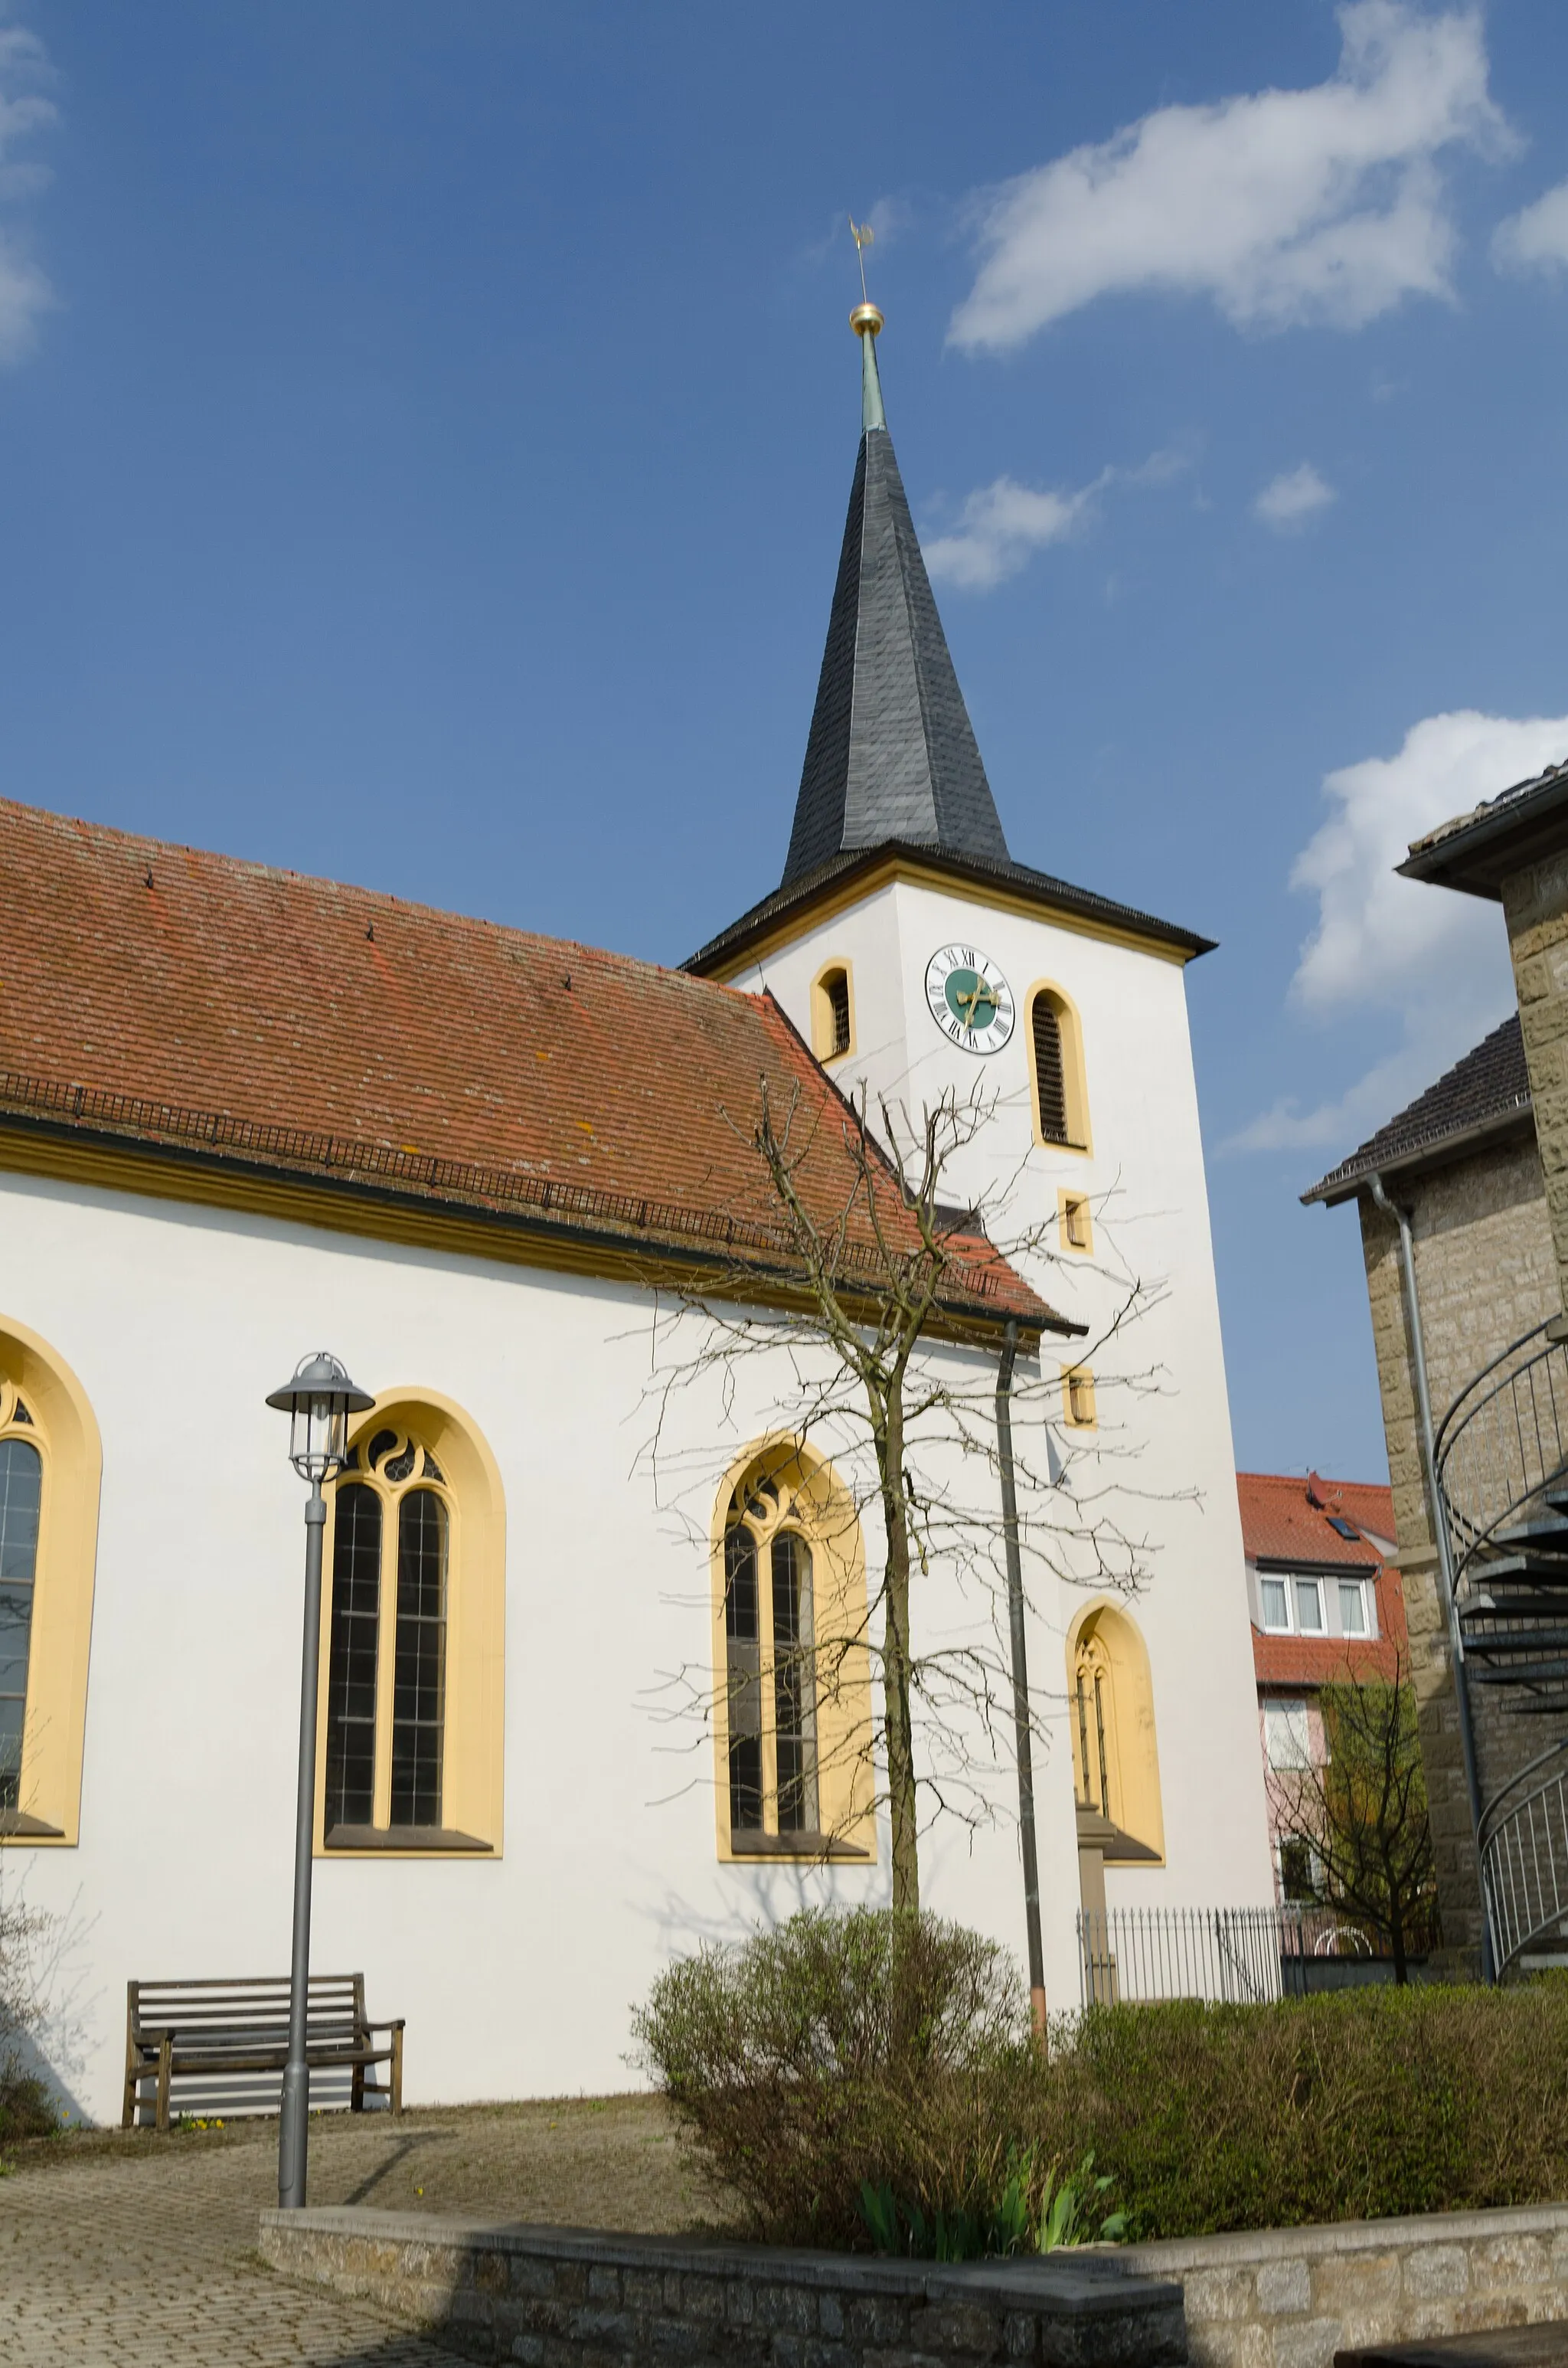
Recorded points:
215,2029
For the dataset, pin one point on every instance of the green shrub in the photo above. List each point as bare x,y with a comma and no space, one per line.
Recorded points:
846,2057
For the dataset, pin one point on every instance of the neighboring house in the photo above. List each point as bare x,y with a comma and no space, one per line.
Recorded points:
1326,1607
1477,1169
245,1113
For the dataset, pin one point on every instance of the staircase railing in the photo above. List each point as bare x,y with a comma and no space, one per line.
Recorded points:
1524,1857
1500,1446
1501,1442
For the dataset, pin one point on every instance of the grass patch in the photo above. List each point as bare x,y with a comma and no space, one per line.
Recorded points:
842,2058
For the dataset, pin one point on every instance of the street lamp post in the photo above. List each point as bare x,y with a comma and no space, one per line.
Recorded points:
319,1399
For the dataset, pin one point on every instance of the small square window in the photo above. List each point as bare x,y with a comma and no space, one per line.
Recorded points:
1352,1607
1078,1231
1309,1606
1078,1390
1276,1606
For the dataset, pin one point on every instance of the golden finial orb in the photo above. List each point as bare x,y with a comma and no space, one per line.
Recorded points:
864,317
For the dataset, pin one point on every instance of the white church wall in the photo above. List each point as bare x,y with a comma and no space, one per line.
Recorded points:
516,1974
1164,1439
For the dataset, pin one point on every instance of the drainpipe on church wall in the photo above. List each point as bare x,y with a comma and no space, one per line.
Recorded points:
1440,1533
1021,1676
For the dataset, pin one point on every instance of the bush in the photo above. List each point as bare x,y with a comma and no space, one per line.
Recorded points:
846,2056
841,2053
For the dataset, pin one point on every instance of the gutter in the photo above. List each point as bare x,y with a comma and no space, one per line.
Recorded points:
1022,1741
1440,1532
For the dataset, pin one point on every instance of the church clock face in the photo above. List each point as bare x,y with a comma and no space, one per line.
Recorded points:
968,997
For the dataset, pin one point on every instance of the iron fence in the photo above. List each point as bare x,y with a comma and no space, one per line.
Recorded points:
1242,1954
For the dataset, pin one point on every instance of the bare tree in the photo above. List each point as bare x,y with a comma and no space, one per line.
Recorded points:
873,1305
1361,1813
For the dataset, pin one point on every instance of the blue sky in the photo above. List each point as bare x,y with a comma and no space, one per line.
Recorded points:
425,435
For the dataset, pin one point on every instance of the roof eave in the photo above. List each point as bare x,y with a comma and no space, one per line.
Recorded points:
1476,852
1335,1189
761,923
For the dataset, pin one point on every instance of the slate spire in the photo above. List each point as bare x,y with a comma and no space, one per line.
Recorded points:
891,753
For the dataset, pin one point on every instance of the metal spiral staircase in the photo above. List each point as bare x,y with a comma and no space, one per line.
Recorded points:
1501,1469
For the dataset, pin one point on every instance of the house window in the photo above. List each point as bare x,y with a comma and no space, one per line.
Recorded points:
833,1027
1352,1607
1284,1735
1078,1397
1298,1871
1056,1071
1274,1595
792,1712
50,1461
1309,1606
413,1690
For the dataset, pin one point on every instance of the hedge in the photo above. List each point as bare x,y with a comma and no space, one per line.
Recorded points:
840,2055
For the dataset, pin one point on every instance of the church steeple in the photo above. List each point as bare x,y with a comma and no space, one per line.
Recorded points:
890,753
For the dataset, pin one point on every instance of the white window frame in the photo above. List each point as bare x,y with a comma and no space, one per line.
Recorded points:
1313,1579
1274,1579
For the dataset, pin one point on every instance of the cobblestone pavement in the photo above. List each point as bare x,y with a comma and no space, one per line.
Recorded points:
142,2250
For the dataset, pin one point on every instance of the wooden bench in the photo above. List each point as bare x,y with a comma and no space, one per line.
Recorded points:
217,2037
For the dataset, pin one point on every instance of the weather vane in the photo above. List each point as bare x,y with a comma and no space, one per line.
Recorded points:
862,233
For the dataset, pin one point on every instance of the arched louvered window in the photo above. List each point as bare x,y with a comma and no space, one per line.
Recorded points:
386,1677
1056,1055
832,1012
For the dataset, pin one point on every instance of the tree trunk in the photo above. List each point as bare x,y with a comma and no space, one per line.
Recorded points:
895,1661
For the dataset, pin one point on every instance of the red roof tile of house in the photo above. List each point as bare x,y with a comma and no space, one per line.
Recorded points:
1287,1520
163,997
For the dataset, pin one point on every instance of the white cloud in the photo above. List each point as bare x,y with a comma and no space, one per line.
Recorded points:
1001,525
1284,206
1435,962
1537,238
25,292
1292,497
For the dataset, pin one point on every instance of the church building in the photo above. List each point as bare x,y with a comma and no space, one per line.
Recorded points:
575,1712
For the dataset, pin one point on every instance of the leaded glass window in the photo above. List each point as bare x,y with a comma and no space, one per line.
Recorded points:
770,1666
21,1495
387,1669
419,1676
743,1633
352,1671
794,1686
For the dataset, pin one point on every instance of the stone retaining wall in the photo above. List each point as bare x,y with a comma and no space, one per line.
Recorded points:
1291,2297
563,2297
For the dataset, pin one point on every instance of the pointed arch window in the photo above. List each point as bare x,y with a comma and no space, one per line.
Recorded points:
21,1497
392,1677
1056,1071
792,1723
50,1461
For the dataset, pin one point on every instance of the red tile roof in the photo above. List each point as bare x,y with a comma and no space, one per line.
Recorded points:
1288,1519
161,996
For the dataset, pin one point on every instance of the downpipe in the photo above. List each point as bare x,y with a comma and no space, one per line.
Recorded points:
1023,1745
1445,1549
